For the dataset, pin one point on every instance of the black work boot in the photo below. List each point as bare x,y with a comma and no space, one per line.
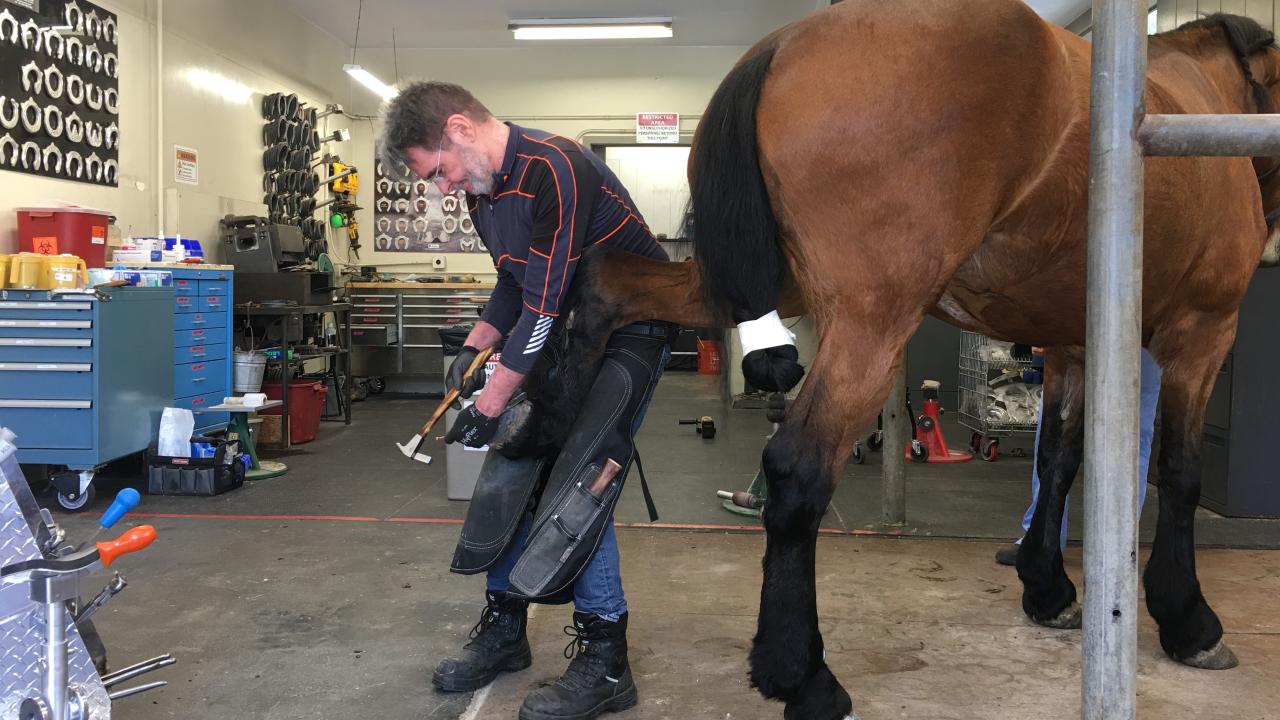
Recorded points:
598,679
498,644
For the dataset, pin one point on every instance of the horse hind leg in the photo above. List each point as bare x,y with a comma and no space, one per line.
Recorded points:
1048,596
1190,631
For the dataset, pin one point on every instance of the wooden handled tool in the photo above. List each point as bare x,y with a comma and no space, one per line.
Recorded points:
411,448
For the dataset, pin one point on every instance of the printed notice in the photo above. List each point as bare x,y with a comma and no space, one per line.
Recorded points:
658,128
186,168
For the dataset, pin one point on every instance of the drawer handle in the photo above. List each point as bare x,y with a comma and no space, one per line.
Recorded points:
196,380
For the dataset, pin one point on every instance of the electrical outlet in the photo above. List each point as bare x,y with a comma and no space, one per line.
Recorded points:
437,262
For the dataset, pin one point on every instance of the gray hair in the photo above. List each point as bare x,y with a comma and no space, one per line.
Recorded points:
416,117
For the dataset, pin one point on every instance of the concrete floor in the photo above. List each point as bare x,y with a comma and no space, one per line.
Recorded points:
325,593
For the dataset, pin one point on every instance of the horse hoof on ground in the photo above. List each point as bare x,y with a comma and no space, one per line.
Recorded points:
1218,657
821,698
1068,619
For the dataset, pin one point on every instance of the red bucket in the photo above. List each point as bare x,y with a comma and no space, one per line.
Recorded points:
306,403
57,231
708,357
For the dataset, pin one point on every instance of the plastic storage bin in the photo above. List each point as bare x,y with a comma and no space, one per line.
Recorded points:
462,464
69,230
221,468
306,402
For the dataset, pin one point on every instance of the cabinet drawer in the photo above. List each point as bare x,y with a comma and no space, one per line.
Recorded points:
49,424
199,378
46,350
213,303
46,328
200,336
45,310
213,287
195,402
53,381
186,303
193,320
186,286
199,353
374,335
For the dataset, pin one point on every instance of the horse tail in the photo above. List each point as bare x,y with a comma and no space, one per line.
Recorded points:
735,231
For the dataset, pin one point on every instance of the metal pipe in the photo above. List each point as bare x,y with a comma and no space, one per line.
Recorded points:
1109,667
55,655
893,473
1211,135
141,668
135,690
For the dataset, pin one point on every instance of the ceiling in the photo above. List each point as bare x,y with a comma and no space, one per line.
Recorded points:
483,23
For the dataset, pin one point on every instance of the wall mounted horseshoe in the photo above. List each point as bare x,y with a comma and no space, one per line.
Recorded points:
31,116
53,82
11,157
402,224
449,225
384,223
10,113
75,51
92,25
110,171
111,99
74,16
403,206
93,133
50,36
29,156
74,165
32,78
93,58
55,165
29,33
109,64
113,136
75,89
420,225
93,96
75,128
383,205
449,203
109,30
382,242
93,167
53,123
8,27
466,226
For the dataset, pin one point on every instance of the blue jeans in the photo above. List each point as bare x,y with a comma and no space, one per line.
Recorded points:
598,590
1148,399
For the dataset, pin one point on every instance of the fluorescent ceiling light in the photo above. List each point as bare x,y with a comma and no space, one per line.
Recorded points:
591,28
366,78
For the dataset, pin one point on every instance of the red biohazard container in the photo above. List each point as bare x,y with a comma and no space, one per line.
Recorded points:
708,357
74,230
306,403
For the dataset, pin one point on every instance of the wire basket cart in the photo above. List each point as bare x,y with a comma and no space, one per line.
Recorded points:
995,399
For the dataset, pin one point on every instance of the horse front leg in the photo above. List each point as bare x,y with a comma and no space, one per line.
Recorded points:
1048,595
1190,631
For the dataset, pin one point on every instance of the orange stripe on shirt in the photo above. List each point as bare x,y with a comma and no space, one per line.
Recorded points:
574,179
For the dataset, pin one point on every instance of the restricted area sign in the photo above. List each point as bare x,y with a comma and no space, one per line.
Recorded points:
658,128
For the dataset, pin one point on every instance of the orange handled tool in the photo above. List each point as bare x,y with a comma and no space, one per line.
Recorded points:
132,541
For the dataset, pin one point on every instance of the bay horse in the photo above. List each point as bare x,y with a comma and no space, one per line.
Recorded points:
877,161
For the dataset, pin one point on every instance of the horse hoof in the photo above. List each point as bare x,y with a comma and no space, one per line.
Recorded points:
1068,619
1218,657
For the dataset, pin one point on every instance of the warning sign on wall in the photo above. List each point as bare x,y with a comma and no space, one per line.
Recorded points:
186,168
658,128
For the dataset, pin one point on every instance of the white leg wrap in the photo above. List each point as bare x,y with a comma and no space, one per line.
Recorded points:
764,332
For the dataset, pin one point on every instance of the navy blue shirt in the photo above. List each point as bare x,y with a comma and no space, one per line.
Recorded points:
551,200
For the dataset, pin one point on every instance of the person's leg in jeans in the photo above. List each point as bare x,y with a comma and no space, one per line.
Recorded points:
1148,403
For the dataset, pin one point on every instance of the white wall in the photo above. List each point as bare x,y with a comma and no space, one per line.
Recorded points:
253,45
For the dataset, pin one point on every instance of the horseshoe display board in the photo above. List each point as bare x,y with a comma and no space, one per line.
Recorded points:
416,217
60,91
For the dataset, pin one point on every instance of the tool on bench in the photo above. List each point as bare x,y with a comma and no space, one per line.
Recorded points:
411,448
704,426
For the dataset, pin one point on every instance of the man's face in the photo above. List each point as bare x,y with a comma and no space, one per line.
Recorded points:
462,165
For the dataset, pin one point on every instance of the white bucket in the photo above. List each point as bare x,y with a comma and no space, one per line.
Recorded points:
249,367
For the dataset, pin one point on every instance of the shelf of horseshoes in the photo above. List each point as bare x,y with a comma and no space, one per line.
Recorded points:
59,91
417,217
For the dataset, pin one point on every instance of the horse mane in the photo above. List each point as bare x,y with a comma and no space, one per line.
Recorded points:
1246,37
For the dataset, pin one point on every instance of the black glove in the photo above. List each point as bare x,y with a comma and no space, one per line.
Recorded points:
472,428
453,378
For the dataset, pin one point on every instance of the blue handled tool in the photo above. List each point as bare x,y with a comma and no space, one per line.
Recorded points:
126,500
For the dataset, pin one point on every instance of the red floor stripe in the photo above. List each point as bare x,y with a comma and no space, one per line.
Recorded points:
457,521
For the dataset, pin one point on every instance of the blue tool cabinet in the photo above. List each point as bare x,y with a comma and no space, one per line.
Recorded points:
202,359
84,377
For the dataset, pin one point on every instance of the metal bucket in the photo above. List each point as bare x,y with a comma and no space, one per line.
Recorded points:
249,367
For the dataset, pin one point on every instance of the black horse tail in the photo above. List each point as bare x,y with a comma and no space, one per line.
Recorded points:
735,231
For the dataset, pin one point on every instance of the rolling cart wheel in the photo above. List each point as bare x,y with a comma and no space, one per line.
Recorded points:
925,423
859,457
991,450
78,502
377,385
919,452
875,440
975,442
